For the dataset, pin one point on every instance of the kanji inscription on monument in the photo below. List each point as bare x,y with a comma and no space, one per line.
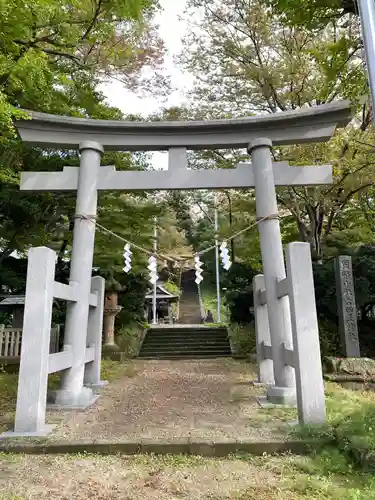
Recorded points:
346,306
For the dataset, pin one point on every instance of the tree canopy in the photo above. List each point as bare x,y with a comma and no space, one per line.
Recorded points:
249,58
54,54
314,14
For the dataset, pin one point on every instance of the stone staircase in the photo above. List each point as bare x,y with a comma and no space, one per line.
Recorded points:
190,313
180,342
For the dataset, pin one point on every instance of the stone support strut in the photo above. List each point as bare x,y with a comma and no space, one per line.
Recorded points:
94,335
262,333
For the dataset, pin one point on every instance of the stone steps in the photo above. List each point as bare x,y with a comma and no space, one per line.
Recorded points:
191,355
181,353
184,342
189,310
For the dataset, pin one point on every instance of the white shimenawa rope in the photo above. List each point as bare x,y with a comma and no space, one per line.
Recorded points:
92,218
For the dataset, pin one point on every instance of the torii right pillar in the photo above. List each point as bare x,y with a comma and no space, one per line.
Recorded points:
284,390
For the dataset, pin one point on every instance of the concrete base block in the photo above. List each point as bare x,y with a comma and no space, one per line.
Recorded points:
293,423
66,400
96,387
256,383
263,402
115,356
107,348
282,395
47,429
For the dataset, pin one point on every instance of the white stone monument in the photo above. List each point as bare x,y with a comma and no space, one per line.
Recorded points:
346,306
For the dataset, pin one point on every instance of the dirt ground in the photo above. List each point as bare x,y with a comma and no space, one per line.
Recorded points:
169,399
85,477
127,478
174,399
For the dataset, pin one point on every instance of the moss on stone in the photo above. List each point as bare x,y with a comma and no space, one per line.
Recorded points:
363,367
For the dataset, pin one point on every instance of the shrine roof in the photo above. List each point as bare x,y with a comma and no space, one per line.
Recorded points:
13,300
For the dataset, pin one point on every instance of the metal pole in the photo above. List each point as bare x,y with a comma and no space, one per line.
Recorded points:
154,319
367,15
217,261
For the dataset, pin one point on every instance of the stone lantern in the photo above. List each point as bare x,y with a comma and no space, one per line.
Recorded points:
111,309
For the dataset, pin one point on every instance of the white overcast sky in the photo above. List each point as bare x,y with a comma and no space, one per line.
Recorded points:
171,30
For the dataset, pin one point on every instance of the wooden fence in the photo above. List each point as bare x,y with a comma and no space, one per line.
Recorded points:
11,339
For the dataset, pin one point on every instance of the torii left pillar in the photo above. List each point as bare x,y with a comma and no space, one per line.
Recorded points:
72,394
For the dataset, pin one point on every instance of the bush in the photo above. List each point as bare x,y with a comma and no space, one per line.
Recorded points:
242,339
172,288
329,338
132,300
325,290
130,338
239,296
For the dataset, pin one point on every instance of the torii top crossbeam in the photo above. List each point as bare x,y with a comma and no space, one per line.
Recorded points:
304,125
290,127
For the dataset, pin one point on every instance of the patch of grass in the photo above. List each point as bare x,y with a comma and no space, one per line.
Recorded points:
350,423
113,370
10,458
175,461
352,411
5,496
275,417
8,396
327,475
242,338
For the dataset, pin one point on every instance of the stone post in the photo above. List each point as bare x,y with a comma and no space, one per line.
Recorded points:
306,346
284,391
72,393
33,375
347,310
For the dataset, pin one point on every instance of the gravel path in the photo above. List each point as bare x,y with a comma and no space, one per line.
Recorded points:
170,399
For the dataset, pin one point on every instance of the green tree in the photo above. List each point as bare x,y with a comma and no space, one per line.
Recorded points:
248,59
53,53
53,56
314,14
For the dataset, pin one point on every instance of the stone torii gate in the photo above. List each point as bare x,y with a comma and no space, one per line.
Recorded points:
257,134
